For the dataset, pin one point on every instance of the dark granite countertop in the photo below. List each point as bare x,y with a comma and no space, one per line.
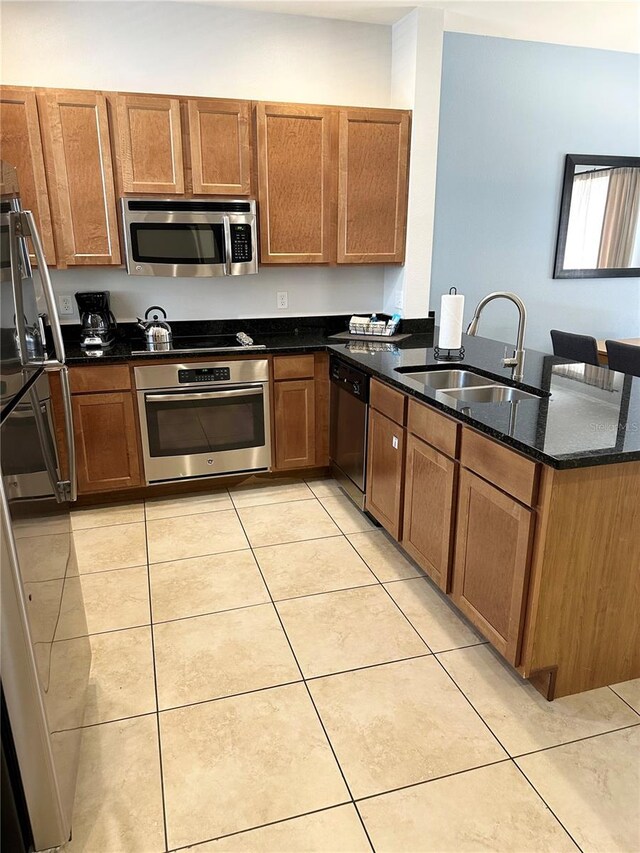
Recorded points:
587,415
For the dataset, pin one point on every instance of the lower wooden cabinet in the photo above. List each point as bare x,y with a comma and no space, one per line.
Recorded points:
295,423
492,559
106,442
428,509
385,472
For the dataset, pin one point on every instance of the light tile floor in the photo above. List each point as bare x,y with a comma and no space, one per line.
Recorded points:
271,673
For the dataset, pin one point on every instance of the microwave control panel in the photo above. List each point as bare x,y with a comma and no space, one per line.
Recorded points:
204,374
241,249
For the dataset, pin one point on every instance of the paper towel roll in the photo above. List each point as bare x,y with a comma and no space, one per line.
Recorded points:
451,310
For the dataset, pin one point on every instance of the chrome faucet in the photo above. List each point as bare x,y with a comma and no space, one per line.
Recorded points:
517,360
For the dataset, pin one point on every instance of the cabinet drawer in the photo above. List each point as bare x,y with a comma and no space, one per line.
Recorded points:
505,468
83,380
437,430
391,403
293,367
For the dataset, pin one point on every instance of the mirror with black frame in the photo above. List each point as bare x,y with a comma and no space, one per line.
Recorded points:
599,229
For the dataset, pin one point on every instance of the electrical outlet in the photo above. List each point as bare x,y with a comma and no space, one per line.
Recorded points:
282,299
65,303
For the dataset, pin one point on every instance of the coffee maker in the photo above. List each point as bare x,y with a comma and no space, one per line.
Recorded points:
97,323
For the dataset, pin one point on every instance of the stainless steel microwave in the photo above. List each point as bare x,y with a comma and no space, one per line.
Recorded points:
190,237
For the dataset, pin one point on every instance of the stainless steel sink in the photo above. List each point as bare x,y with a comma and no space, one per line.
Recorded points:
490,394
440,379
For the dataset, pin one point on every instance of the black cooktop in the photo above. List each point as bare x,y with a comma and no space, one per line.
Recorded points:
194,343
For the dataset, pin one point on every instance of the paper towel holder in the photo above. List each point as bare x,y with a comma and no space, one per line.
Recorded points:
449,354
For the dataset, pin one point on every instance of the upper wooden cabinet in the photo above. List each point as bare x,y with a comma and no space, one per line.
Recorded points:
150,144
21,146
77,143
219,141
296,183
372,186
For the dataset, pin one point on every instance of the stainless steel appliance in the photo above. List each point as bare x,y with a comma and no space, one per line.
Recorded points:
175,237
97,323
349,424
43,678
157,333
204,419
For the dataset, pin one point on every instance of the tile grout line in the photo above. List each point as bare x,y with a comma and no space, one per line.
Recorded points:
331,747
155,687
197,844
392,598
510,757
546,804
623,699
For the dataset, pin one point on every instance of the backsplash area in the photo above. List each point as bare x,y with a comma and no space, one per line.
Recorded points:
310,290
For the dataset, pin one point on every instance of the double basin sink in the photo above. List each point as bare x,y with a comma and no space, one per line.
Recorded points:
467,386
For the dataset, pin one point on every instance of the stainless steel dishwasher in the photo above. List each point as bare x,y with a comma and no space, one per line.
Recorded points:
349,423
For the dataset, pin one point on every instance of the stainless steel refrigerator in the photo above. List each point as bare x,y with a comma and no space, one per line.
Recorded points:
46,655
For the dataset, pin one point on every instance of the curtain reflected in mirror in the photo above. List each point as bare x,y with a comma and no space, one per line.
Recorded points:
599,229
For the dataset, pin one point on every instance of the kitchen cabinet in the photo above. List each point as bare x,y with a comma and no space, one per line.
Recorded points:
107,455
429,509
332,184
219,140
21,147
492,561
300,411
81,185
149,144
385,457
296,183
295,425
372,186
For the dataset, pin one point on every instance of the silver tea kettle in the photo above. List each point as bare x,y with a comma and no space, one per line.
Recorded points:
157,333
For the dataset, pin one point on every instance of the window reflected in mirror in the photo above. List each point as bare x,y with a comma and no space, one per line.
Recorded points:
599,229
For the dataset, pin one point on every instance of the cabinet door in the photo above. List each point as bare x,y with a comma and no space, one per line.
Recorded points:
295,424
21,147
429,509
296,183
106,442
78,152
372,187
491,564
385,470
150,144
220,149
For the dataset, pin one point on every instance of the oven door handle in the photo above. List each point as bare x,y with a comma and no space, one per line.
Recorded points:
204,395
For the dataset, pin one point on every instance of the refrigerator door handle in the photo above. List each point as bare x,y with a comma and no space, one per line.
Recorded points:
29,229
15,241
69,488
44,434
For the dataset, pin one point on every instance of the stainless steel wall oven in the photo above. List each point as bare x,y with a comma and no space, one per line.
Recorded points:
204,419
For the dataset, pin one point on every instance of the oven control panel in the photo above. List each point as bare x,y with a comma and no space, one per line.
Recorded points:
204,374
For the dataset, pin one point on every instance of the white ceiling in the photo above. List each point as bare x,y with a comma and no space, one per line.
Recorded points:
608,24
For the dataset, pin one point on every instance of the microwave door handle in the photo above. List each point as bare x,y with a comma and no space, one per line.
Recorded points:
30,229
227,245
204,395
